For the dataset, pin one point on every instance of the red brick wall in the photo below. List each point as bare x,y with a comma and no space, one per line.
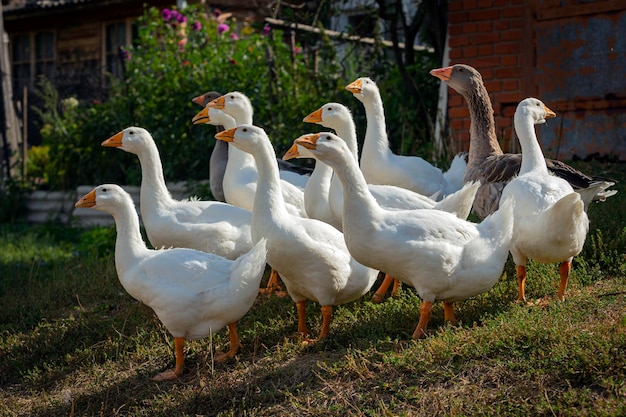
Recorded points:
488,35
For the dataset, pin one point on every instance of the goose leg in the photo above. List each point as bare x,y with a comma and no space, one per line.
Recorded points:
382,290
448,312
273,287
396,287
235,345
302,329
420,330
521,282
327,312
564,271
179,343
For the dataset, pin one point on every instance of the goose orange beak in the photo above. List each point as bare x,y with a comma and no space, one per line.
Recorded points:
549,113
226,135
315,117
201,117
291,153
308,141
442,73
355,87
114,141
218,103
88,200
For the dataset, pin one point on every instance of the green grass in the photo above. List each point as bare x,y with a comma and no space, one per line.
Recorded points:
73,343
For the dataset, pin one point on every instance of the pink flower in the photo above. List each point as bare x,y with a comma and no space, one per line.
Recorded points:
234,36
181,44
222,27
166,14
297,50
196,26
266,30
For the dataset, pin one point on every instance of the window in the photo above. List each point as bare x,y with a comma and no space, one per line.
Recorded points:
33,54
117,35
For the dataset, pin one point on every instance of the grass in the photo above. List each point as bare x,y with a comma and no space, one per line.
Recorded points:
73,343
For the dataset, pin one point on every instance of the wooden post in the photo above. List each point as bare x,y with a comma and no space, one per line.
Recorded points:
9,125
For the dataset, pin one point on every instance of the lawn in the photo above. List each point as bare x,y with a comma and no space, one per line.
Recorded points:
73,343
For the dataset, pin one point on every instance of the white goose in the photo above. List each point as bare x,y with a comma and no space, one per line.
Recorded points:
381,166
215,116
241,172
311,256
445,258
550,221
338,117
209,226
193,293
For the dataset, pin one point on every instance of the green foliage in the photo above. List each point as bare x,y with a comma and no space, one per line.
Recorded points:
175,59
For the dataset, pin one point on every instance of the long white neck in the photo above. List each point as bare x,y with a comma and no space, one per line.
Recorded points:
359,206
269,203
240,158
316,191
346,130
129,244
376,142
154,192
532,156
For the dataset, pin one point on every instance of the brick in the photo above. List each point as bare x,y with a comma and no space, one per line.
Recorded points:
509,60
483,38
509,72
511,35
508,97
483,4
454,6
455,100
456,53
508,48
458,41
458,17
493,86
501,24
486,26
492,14
508,85
456,124
485,50
514,11
455,30
500,3
470,51
469,28
516,23
470,4
458,112
484,63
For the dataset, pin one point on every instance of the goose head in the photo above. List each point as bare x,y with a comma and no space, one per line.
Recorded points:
533,109
461,77
247,138
297,151
213,116
106,197
235,104
329,115
205,98
363,88
325,146
132,139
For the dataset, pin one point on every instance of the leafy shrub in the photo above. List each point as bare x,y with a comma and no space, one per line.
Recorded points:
180,55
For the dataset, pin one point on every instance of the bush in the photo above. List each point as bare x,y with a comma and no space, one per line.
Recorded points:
179,56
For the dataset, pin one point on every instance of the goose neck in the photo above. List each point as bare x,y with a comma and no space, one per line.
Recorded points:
376,140
532,156
153,188
483,139
269,203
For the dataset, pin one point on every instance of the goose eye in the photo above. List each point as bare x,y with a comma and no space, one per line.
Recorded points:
329,108
459,69
104,190
245,129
